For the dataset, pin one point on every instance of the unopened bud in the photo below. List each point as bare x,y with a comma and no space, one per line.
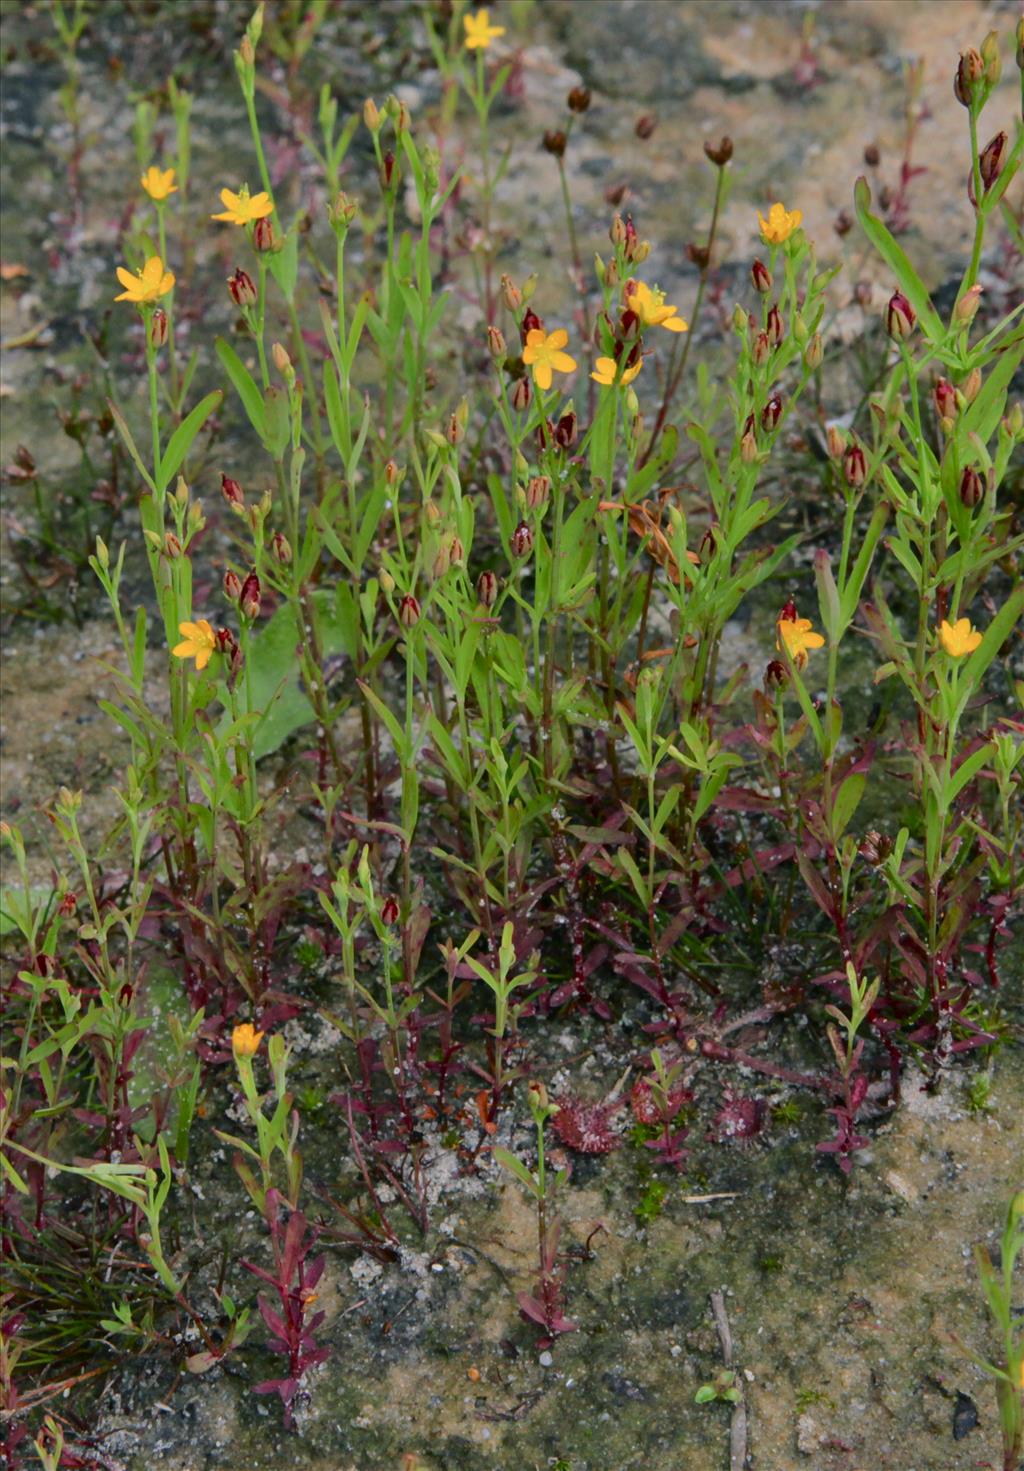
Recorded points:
761,350
944,399
282,362
537,492
389,910
496,344
990,56
387,582
855,465
1019,37
249,598
454,432
521,395
522,540
510,294
814,353
748,448
836,442
371,115
242,288
772,412
487,589
875,847
566,430
538,1096
617,231
970,70
991,160
342,212
246,51
158,328
263,237
281,548
172,546
971,386
554,142
579,99
645,126
640,251
409,611
441,563
775,327
761,276
232,586
719,153
232,491
776,677
391,473
966,308
900,316
390,173
972,487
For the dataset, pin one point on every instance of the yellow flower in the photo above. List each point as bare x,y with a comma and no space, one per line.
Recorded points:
959,638
245,1040
198,644
158,183
796,636
239,209
606,368
650,307
543,351
479,31
779,225
149,284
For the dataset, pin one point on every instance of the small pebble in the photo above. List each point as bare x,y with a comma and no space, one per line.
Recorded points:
545,1360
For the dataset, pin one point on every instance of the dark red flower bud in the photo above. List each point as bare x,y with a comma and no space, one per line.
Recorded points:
900,316
68,904
537,491
521,395
249,598
232,586
242,288
775,327
776,676
855,465
281,548
645,125
530,323
389,910
944,398
579,99
554,142
390,173
788,613
761,277
487,589
699,255
409,611
772,412
263,237
970,69
762,349
991,160
522,540
972,487
232,491
158,327
565,431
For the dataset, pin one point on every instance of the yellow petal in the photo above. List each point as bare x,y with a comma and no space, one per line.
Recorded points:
562,362
558,338
229,200
126,279
542,375
534,338
675,324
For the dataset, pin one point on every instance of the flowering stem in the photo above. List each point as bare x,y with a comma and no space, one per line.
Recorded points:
171,355
261,323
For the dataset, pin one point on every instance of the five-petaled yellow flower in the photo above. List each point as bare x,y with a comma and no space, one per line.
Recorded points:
479,31
245,1040
606,368
959,638
780,224
240,209
198,643
158,183
796,636
149,284
543,351
650,307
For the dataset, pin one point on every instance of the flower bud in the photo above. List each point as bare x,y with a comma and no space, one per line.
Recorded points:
645,126
537,492
772,412
776,677
530,323
944,399
409,611
843,223
432,513
855,465
391,474
232,491
390,173
454,432
441,563
972,487
814,353
158,328
617,231
522,540
966,308
775,327
699,255
521,395
456,551
761,277
282,362
836,442
387,582
990,56
579,99
249,598
371,115
640,251
510,294
899,316
537,1095
232,586
389,910
263,237
872,155
496,344
787,613
991,160
748,448
172,546
875,847
1019,37
971,386
281,548
761,350
566,430
342,212
241,288
970,70
720,154
554,142
487,589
